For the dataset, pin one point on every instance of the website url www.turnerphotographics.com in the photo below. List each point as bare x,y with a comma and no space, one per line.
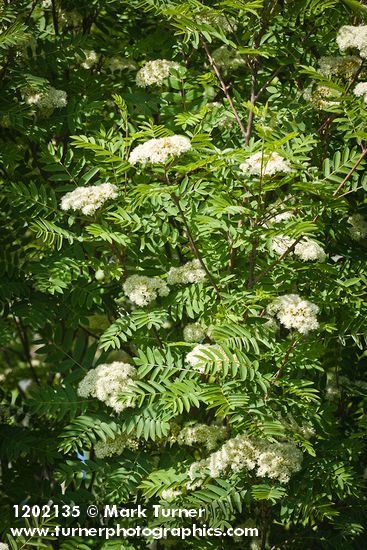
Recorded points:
113,511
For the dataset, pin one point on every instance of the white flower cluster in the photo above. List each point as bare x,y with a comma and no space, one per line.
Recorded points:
323,97
155,72
306,249
361,90
294,312
209,436
279,461
280,244
47,100
88,199
353,37
4,546
158,151
307,431
115,446
107,382
142,290
339,66
358,229
202,354
191,272
90,59
265,164
193,333
281,210
273,460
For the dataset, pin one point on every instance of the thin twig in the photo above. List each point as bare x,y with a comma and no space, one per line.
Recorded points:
194,247
267,82
224,87
276,262
354,167
264,534
253,98
285,360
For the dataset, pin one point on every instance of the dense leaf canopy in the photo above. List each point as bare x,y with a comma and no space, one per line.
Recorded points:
182,276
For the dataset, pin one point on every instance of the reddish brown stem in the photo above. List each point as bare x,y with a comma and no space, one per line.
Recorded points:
354,167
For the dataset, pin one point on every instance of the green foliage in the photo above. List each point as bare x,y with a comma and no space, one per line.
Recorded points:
207,353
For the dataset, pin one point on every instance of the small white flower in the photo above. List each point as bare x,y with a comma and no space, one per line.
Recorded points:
107,382
47,100
323,97
280,244
308,250
274,460
191,272
155,72
307,431
193,333
142,290
202,434
305,250
265,164
279,461
158,151
353,37
294,312
90,59
336,257
88,199
99,275
346,66
115,446
361,91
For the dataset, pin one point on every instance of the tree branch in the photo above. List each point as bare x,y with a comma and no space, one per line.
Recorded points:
292,247
224,88
354,167
195,249
253,98
285,360
54,17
